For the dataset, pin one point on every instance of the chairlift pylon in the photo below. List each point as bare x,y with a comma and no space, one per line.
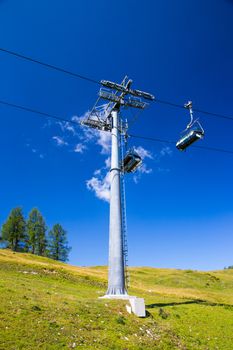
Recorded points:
193,131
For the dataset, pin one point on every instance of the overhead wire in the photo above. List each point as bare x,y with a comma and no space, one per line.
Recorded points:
135,118
48,65
56,117
174,142
195,109
76,75
48,115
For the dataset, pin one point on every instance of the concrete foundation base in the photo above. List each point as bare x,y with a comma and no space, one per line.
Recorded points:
137,305
116,296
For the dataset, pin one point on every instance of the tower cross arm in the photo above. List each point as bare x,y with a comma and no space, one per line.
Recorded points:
143,94
125,89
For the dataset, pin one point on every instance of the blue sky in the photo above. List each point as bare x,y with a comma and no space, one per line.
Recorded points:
180,213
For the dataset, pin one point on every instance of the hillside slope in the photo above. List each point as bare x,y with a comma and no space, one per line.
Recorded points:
50,305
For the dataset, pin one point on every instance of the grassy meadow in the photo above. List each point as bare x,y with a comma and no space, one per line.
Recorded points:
50,305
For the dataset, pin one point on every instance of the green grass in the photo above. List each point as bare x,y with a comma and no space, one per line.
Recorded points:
50,305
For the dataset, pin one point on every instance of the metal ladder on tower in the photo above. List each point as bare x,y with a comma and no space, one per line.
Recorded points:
123,214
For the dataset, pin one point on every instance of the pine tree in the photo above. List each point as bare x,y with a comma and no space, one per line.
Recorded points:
58,244
14,230
36,229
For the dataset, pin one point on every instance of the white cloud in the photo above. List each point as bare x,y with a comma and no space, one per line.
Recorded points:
89,134
84,134
104,140
165,151
97,172
47,124
163,170
136,179
79,148
100,182
143,153
70,128
143,169
59,141
77,119
101,187
101,138
66,126
35,151
108,162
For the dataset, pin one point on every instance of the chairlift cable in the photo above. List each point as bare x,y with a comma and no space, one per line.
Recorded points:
76,75
214,149
152,139
51,66
218,115
56,117
31,110
135,117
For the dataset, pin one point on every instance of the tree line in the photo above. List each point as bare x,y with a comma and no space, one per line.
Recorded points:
32,235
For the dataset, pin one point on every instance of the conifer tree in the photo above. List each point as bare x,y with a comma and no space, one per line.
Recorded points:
58,244
14,230
36,229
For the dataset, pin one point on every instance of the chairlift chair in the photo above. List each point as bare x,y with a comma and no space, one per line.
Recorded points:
131,161
189,138
193,131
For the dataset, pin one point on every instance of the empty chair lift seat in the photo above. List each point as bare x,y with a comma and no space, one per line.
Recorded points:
131,162
189,138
